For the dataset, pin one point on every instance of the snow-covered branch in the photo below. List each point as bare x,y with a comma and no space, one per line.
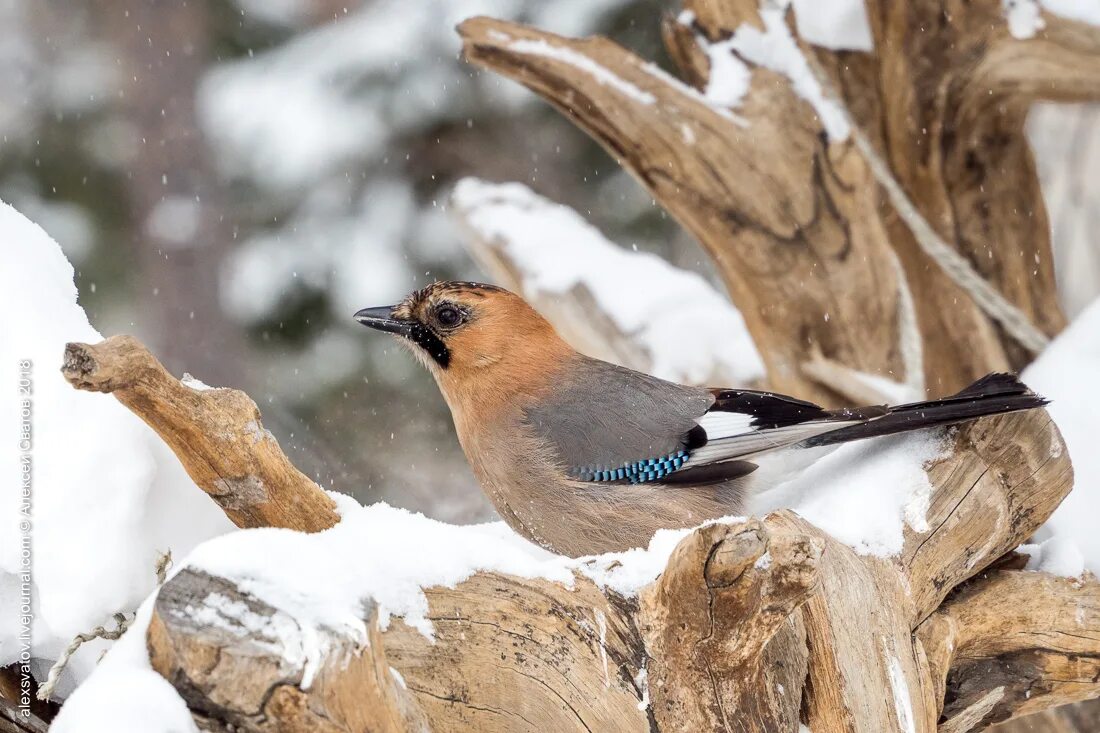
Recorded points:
277,632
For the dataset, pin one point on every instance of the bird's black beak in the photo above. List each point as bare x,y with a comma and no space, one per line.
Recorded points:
382,319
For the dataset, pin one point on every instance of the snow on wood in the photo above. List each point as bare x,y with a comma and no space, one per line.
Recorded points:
1066,374
771,48
123,694
864,494
835,24
583,63
97,473
638,310
1025,17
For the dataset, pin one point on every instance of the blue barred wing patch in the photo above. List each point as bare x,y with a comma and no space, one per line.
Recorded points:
638,472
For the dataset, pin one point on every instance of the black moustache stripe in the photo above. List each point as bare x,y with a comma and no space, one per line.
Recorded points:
427,339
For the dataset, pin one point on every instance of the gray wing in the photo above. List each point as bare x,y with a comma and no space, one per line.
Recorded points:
606,418
608,423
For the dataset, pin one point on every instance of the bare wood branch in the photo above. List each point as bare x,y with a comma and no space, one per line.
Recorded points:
216,433
960,153
708,631
998,480
1079,717
1061,63
1015,643
856,629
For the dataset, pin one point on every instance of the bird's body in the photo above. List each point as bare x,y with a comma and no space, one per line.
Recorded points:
582,456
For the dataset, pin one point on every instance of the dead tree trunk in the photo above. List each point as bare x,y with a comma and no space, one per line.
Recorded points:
769,623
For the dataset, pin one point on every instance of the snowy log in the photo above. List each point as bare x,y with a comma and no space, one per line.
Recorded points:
204,640
753,624
761,624
742,616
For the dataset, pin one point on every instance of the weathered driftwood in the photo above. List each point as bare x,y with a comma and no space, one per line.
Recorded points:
230,675
216,433
752,626
796,223
994,652
797,259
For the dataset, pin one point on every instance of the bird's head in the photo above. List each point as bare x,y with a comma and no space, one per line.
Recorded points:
469,332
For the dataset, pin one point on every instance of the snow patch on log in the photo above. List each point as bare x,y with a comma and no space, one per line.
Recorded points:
773,48
903,703
1025,17
840,25
1057,556
583,63
865,493
297,574
690,331
626,573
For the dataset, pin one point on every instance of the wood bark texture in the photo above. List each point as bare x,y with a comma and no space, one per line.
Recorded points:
757,625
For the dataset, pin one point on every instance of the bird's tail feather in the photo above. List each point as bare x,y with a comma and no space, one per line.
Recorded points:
993,394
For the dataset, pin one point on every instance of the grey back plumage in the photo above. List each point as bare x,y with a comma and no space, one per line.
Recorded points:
603,416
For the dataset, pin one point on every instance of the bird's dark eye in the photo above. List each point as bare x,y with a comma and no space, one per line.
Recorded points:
448,316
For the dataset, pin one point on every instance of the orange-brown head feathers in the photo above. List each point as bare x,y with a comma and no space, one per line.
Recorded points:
478,340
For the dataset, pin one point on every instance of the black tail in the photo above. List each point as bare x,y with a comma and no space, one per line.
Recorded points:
993,394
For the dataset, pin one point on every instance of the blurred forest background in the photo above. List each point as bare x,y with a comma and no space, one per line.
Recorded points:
233,178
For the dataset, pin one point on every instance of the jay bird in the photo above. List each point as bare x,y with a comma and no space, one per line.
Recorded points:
585,457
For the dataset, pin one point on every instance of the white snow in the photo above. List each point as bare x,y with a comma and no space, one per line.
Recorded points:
773,48
1086,11
1066,141
397,553
1058,555
196,384
692,333
895,393
690,91
1025,16
729,78
836,24
318,601
124,694
864,493
1066,374
97,470
601,74
628,572
642,681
